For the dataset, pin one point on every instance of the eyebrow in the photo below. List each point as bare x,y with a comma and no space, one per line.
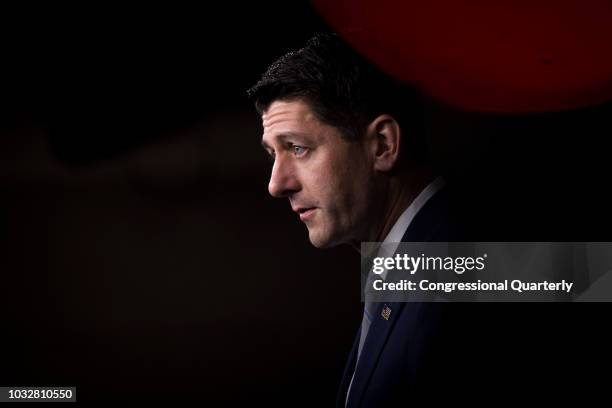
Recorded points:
283,137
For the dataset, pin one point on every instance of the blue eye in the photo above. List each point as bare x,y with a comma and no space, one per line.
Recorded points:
298,150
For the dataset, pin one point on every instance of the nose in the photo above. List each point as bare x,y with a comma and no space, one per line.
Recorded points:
283,180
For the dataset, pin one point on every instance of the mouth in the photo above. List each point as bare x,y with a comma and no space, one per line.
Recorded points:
305,212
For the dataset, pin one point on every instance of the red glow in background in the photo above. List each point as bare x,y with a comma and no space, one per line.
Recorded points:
501,56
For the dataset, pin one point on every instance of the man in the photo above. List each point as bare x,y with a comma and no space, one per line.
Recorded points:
346,142
349,154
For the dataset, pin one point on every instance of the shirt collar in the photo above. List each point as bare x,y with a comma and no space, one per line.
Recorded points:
404,220
394,237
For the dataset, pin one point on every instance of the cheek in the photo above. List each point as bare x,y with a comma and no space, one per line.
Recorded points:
340,182
363,195
350,190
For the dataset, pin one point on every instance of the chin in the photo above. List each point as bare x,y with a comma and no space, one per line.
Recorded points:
321,245
322,241
317,242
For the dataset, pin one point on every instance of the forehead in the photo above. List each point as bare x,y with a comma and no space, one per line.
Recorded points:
285,112
289,117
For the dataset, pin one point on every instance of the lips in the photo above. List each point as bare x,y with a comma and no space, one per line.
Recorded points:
305,212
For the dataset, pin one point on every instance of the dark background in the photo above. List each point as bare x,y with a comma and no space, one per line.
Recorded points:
141,256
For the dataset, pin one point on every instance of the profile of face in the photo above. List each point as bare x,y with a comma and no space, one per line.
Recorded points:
331,182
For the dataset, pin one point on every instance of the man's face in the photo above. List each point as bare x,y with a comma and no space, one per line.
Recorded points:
329,181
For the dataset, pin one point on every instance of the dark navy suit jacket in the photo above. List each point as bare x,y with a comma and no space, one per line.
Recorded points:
429,353
406,355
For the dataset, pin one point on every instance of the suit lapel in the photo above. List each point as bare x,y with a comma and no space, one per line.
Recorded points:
429,225
375,341
349,368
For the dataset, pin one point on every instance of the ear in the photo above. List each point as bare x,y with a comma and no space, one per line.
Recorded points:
385,135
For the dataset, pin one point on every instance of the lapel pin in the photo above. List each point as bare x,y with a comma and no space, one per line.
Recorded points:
386,312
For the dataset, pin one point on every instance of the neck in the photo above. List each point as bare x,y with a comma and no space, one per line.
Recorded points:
401,192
